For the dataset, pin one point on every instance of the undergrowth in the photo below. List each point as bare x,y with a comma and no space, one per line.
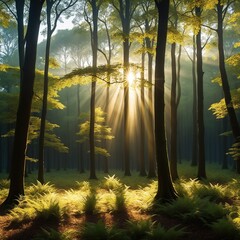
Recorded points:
211,204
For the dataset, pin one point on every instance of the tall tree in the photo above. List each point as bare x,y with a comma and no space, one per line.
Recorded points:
221,13
175,37
108,57
194,160
126,9
200,102
166,191
93,24
59,8
25,100
150,25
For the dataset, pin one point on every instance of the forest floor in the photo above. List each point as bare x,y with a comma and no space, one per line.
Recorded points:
27,230
199,207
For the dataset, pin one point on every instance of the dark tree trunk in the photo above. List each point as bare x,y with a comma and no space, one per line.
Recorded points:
150,132
125,19
225,84
194,109
20,26
45,98
179,93
224,144
1,156
94,40
80,160
200,105
24,107
106,166
166,191
142,116
173,145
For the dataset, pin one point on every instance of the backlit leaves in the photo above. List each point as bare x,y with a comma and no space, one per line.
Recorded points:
101,131
219,109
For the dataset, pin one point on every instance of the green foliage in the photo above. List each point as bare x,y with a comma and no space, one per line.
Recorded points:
98,231
174,36
40,189
219,109
120,201
9,82
5,18
225,229
159,232
112,183
138,230
53,63
234,151
212,192
52,234
4,183
84,186
101,131
84,75
4,186
45,207
90,203
51,139
194,210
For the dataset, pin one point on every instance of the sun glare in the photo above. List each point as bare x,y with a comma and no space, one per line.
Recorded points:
130,78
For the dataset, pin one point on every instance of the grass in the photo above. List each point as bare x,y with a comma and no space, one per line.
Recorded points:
209,204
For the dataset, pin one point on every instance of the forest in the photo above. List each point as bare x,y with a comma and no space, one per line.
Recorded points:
119,119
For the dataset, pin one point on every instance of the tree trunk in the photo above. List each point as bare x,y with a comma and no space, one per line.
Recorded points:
106,167
94,40
173,145
125,18
80,160
45,98
194,109
224,144
200,103
225,84
142,123
24,107
166,191
150,132
20,26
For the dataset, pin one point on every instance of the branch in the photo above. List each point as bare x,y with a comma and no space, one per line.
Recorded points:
206,26
206,41
188,54
103,53
59,13
226,8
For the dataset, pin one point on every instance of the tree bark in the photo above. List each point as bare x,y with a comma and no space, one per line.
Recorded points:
200,105
16,188
166,191
142,115
225,83
194,109
173,145
150,132
106,165
94,40
45,98
80,160
125,19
